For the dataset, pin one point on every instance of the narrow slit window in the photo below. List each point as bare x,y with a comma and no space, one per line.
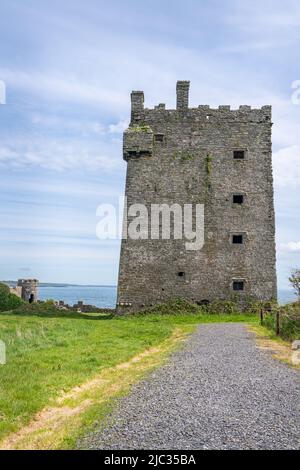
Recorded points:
238,199
145,153
237,239
159,138
238,286
239,154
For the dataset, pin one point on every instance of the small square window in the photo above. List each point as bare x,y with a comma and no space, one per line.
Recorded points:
159,138
238,199
237,239
181,274
238,286
239,154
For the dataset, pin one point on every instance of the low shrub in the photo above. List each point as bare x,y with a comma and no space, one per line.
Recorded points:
173,307
255,306
289,321
217,307
46,308
222,307
4,289
234,306
8,301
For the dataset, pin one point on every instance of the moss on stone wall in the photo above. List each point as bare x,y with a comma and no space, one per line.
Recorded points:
139,128
183,157
186,157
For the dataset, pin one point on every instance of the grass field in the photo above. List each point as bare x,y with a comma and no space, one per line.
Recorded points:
64,373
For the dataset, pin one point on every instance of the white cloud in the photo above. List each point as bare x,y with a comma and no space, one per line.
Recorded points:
246,47
60,124
290,246
66,88
286,164
286,118
63,254
59,155
62,187
257,16
120,127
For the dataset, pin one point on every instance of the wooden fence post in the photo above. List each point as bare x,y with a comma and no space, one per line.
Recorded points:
278,323
261,316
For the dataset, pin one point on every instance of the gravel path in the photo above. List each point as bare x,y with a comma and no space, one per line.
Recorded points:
219,392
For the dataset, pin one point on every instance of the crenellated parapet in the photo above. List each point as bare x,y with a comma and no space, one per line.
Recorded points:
146,123
202,113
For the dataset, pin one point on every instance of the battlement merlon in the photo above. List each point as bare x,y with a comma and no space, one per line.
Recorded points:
244,113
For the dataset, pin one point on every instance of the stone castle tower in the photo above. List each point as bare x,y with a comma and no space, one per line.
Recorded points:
26,289
221,158
29,289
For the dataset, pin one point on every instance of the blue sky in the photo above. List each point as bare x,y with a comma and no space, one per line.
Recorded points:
69,68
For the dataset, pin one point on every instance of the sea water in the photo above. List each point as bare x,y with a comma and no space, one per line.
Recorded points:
99,296
106,296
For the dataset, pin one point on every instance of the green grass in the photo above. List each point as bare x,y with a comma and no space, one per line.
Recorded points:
49,355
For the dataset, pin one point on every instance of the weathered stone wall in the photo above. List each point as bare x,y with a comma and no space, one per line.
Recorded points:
16,291
29,289
192,162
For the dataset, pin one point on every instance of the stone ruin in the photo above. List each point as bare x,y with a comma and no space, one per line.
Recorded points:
222,159
26,289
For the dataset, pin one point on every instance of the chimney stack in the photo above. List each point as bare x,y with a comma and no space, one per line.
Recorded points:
182,92
137,104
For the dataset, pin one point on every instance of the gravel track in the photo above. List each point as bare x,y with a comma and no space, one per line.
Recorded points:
219,392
